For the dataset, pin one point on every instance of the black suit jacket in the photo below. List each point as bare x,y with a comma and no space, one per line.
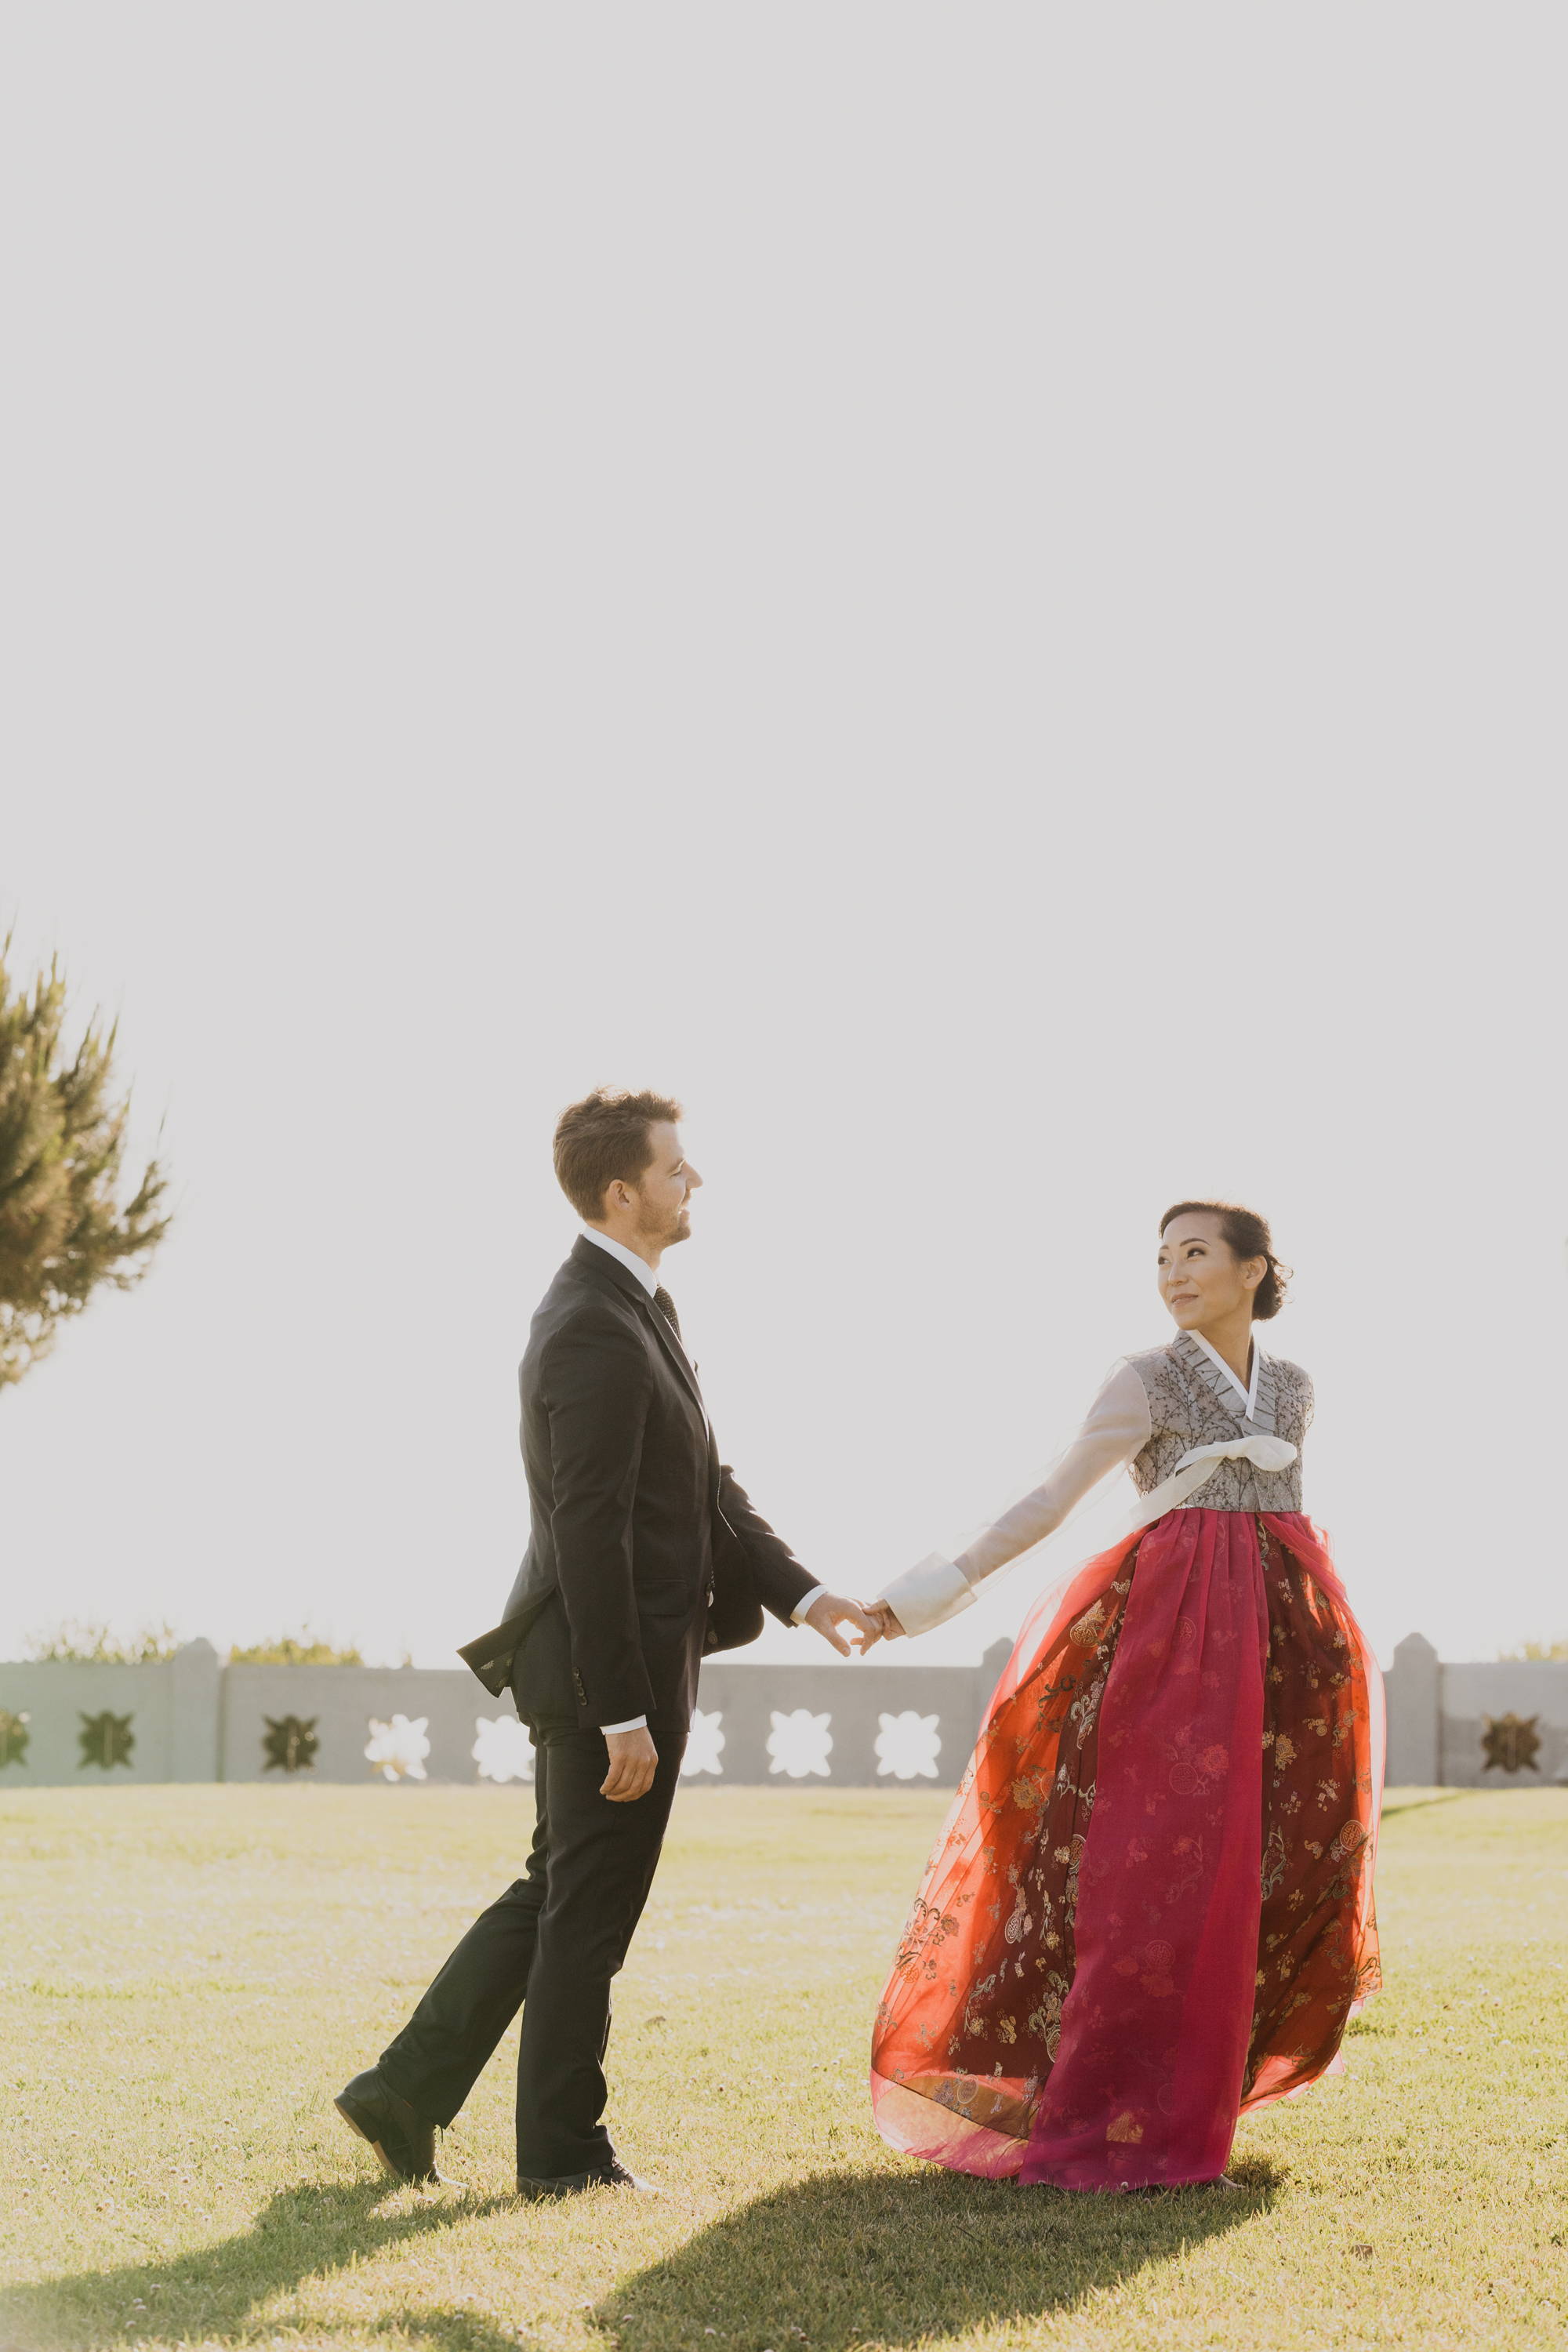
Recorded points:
646,1551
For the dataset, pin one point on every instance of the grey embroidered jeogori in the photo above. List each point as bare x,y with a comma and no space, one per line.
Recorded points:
1156,1408
1193,1402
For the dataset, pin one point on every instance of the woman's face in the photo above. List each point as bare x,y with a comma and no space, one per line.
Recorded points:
1201,1279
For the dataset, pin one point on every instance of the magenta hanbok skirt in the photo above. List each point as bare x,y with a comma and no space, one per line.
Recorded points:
1151,1909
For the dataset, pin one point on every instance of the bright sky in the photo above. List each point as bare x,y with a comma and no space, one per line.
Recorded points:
977,593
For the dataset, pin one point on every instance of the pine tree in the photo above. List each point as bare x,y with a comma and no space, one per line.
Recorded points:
62,1138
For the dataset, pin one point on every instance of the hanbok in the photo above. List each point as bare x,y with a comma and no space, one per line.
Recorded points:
1151,1909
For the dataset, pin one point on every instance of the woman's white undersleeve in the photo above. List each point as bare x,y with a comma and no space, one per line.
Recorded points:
1117,1427
928,1593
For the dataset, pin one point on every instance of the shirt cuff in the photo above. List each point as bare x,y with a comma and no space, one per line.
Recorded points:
637,1723
808,1600
928,1594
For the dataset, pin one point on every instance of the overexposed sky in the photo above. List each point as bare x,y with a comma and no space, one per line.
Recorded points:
979,593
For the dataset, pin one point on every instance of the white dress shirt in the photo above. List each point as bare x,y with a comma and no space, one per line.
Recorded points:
624,1256
649,1281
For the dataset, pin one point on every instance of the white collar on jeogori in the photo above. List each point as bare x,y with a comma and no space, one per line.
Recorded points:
1248,1395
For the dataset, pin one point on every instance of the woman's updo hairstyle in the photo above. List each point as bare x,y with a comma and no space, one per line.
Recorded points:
1247,1235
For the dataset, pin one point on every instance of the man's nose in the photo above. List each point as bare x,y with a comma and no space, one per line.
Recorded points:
692,1180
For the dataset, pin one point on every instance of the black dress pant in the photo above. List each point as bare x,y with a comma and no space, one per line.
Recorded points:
551,1944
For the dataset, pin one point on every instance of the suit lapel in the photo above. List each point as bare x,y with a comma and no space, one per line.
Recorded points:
673,1350
599,1264
678,1357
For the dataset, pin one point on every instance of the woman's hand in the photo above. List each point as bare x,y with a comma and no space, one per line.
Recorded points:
830,1611
887,1626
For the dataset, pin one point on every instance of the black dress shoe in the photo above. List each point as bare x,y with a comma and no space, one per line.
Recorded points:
613,2175
404,2143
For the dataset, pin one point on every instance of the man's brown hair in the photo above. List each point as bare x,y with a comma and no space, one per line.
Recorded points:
603,1137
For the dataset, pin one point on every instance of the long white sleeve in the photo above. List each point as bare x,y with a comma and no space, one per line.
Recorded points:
1116,1428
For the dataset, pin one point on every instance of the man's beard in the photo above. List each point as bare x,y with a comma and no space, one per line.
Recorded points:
664,1235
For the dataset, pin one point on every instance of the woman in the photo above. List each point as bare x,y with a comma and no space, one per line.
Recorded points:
1151,1910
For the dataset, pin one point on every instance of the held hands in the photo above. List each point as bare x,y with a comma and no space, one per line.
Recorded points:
830,1611
634,1759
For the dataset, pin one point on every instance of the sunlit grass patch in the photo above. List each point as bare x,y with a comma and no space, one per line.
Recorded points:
190,1974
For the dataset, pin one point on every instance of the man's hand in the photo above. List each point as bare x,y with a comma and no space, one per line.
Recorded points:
887,1626
828,1611
634,1759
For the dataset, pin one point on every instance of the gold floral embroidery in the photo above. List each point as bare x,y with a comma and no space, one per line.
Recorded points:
1317,1946
1003,1919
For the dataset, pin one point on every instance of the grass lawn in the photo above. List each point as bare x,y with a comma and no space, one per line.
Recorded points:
191,1973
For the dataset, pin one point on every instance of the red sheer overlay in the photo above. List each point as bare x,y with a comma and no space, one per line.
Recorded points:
1150,1908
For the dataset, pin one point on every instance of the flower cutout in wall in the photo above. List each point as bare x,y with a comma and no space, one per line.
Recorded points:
907,1746
1512,1742
14,1735
799,1743
107,1739
289,1743
502,1748
705,1744
397,1750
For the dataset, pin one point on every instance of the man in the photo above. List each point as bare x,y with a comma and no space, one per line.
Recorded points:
644,1554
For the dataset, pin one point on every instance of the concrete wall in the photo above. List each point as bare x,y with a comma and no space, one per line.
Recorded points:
340,1703
872,1725
193,1720
1448,1725
1524,1688
1413,1688
163,1721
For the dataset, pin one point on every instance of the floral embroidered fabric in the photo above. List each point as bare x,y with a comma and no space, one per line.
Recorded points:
1152,1410
1191,1402
1152,1907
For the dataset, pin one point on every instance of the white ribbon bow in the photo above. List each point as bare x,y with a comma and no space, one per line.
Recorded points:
1197,1466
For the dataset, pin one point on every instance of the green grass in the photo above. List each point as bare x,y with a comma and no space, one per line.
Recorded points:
190,1974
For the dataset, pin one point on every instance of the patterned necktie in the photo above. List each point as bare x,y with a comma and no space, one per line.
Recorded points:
666,1306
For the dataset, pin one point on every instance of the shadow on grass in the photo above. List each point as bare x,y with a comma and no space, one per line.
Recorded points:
905,2257
1418,1799
216,2291
819,2265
